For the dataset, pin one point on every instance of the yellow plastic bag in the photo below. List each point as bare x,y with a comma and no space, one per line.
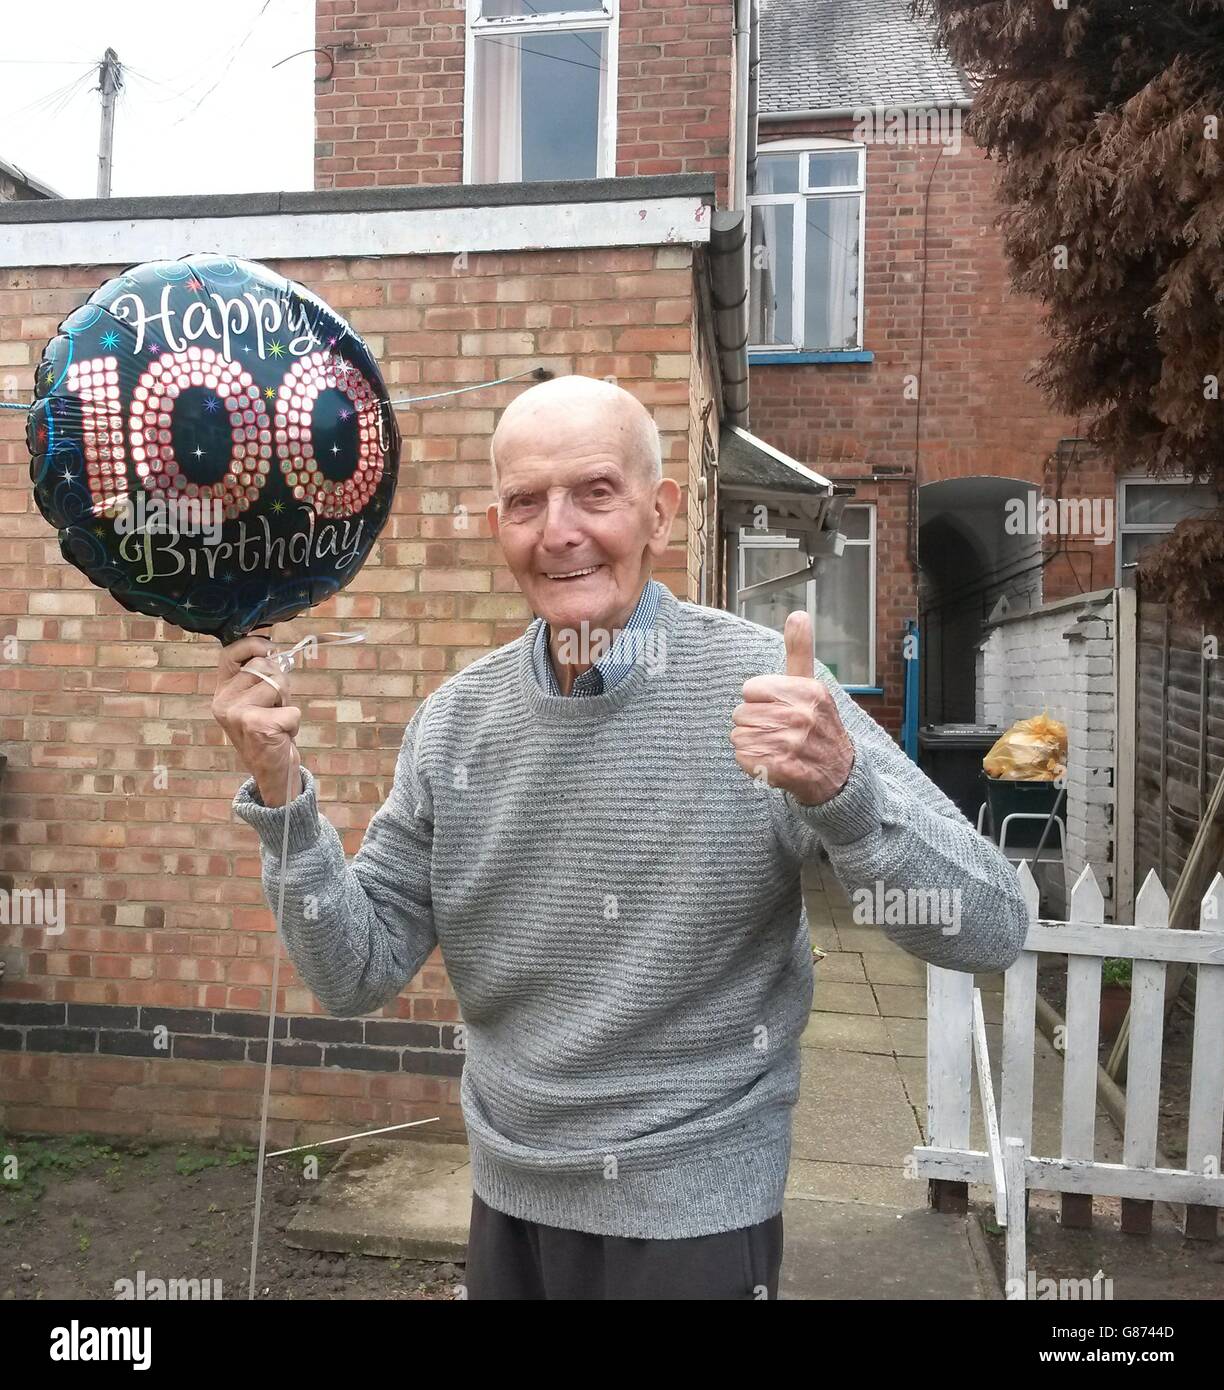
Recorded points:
1032,750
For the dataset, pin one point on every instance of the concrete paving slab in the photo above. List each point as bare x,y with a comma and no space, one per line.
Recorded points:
850,1250
391,1198
854,1182
901,1001
907,1037
854,1110
826,938
846,1033
843,967
892,968
867,939
913,1078
834,998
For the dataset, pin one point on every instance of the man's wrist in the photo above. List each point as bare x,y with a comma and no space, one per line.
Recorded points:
854,811
841,786
276,792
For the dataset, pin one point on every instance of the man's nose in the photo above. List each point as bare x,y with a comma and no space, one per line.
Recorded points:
560,522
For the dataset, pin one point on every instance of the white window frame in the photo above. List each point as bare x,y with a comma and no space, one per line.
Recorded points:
1140,528
812,145
755,540
568,21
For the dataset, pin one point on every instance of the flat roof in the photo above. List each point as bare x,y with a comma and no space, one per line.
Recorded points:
395,198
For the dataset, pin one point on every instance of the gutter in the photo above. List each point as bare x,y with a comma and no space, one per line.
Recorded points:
833,112
728,252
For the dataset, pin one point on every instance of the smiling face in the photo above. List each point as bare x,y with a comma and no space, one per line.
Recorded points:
580,516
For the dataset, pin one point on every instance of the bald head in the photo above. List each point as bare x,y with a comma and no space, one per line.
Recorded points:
601,408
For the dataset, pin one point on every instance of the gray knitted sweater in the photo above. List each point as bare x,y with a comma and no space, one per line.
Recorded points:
618,906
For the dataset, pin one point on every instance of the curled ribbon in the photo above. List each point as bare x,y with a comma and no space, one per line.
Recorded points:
284,660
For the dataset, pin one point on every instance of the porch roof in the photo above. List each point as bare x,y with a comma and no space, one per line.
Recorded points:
801,502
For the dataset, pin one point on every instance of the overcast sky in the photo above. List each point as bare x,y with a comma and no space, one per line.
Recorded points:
201,111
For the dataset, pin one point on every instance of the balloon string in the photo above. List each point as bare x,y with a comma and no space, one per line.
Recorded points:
284,660
541,373
267,1077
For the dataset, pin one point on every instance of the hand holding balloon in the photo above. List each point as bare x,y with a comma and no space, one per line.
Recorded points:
249,706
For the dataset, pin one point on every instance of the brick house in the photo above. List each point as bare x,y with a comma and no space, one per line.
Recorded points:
709,149
464,249
888,352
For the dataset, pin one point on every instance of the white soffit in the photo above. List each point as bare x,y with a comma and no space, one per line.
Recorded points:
399,232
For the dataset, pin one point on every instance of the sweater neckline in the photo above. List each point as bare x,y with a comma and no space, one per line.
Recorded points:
593,709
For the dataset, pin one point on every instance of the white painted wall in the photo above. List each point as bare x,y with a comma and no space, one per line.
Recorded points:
1061,658
400,232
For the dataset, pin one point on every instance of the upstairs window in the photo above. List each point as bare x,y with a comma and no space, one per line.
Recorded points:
1150,508
807,231
540,90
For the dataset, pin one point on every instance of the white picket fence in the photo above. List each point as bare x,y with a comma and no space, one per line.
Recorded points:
957,1048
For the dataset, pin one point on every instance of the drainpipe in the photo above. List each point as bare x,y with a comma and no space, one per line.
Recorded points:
754,70
738,192
729,250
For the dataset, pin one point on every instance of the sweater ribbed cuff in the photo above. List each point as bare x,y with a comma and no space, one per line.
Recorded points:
269,821
854,812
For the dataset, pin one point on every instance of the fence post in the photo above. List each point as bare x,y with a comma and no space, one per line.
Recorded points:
1081,1048
949,1076
1207,1069
1143,1060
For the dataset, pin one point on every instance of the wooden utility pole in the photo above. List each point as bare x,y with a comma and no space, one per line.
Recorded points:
110,79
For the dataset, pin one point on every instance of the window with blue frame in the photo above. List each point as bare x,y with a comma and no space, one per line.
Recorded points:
806,211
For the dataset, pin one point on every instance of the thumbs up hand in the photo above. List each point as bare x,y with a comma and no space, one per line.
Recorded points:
788,727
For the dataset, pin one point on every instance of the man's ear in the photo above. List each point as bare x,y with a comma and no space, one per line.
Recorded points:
491,513
666,505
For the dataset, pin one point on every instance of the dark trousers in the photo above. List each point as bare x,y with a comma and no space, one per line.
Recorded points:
512,1259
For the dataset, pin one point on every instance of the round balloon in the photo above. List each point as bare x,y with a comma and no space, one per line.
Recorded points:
214,444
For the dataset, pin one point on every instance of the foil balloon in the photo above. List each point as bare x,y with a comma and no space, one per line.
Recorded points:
214,444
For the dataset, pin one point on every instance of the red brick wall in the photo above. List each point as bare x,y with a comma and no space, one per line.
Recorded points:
394,114
164,905
978,341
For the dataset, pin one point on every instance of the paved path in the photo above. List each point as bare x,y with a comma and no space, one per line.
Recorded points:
856,1227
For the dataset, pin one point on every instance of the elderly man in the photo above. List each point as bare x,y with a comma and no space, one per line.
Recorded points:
602,825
